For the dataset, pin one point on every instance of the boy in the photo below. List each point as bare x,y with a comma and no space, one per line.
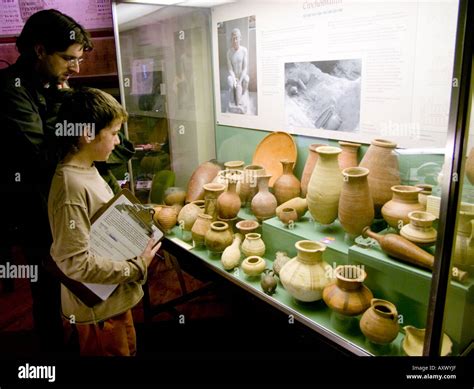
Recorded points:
77,193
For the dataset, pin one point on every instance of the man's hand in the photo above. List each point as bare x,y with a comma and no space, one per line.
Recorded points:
150,251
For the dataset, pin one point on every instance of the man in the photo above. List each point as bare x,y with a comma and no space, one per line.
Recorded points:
51,46
237,65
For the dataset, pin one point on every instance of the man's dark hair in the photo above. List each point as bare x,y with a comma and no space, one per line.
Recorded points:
54,30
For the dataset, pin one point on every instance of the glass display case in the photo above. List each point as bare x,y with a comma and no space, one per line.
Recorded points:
346,153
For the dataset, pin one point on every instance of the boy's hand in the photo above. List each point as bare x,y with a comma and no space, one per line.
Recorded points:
150,251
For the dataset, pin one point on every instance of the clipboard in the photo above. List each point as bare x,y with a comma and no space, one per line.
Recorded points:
140,214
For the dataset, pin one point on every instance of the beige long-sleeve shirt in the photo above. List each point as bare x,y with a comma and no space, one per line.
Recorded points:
76,194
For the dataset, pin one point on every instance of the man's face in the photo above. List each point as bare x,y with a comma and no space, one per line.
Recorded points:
235,39
60,65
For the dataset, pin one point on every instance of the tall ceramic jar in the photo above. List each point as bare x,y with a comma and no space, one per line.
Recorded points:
287,186
325,185
382,163
309,167
348,156
264,203
218,237
248,186
356,208
306,275
348,296
253,245
470,166
211,192
379,323
405,200
228,203
464,246
200,228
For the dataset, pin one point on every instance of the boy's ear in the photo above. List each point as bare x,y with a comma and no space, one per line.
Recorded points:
40,51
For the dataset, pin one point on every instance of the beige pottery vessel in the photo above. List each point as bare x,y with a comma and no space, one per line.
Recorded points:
309,167
230,258
253,245
414,340
379,323
420,229
404,200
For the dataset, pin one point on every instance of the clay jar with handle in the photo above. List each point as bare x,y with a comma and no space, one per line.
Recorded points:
399,247
470,166
218,237
204,174
228,203
379,323
200,228
348,296
382,163
420,229
253,245
306,275
356,208
348,156
464,246
404,200
309,167
249,186
264,203
325,186
287,186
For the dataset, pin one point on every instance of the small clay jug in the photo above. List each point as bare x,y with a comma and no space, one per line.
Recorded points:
228,203
348,296
309,167
287,186
218,237
247,226
253,245
288,216
382,163
264,203
404,200
167,217
348,157
420,229
379,323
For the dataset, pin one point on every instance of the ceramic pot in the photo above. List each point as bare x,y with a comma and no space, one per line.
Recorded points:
379,323
414,341
231,222
218,237
234,165
404,200
309,167
348,157
348,296
401,248
464,246
420,229
174,195
306,275
426,190
299,204
224,176
228,203
288,216
247,226
470,166
231,256
356,208
382,163
188,215
204,174
264,203
253,266
200,228
167,217
253,245
281,258
211,192
249,187
287,186
325,186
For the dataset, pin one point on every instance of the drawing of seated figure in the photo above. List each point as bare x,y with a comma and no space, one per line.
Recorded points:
238,79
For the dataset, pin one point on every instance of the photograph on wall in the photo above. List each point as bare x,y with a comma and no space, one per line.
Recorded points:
238,66
323,94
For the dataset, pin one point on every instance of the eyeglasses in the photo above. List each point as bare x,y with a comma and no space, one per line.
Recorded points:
72,61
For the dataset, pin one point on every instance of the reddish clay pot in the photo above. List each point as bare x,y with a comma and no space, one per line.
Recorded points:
204,174
348,157
287,186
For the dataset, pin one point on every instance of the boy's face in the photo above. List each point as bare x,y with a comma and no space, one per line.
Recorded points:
105,142
59,66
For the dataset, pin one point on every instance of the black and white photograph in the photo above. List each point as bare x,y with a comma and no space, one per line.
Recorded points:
323,94
238,66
